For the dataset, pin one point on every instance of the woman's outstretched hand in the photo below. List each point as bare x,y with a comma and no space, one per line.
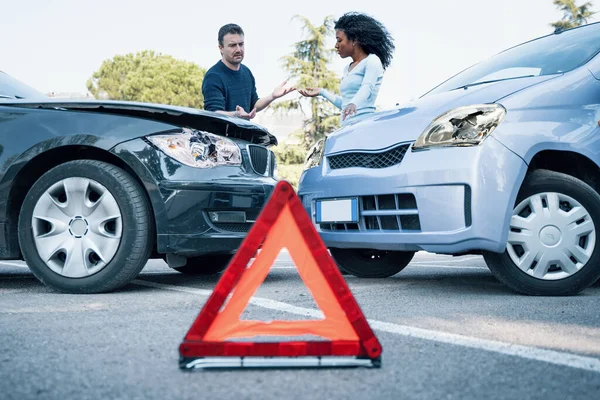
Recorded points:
309,92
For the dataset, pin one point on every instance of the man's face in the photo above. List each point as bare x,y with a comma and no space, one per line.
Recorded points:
232,49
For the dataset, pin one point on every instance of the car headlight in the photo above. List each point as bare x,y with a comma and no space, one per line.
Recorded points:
463,126
315,154
198,148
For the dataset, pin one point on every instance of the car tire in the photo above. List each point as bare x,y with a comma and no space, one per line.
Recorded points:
209,264
92,224
551,251
366,263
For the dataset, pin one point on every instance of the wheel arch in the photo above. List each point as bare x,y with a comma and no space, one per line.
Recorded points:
570,163
44,162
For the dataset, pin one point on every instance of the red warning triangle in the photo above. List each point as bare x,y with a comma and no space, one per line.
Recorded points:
282,223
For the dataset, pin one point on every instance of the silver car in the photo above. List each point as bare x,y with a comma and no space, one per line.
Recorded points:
501,160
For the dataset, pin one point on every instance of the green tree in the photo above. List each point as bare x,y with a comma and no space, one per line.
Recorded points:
308,65
572,15
149,77
291,150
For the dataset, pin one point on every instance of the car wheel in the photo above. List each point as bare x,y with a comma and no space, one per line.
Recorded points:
85,227
552,244
365,263
205,265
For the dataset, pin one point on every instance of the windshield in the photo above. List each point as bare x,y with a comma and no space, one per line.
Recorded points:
553,54
13,89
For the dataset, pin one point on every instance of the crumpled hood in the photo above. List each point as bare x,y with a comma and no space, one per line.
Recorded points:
386,128
180,116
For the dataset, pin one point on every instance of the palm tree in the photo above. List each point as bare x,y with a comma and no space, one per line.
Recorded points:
308,64
573,15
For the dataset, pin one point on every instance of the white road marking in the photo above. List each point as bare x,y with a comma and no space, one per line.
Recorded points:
445,266
412,264
531,353
13,264
445,261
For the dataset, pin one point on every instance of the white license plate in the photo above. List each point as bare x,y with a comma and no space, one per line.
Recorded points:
337,211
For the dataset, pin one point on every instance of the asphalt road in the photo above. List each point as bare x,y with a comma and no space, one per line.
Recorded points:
448,329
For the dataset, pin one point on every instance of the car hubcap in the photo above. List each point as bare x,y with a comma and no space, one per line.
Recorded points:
77,227
552,236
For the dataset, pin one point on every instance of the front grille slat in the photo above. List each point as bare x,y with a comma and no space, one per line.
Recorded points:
384,213
260,159
377,216
372,223
383,159
397,207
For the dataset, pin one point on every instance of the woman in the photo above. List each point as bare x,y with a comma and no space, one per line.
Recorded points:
371,47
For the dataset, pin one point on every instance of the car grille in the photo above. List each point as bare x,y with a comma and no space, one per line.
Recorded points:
382,159
234,228
384,212
261,159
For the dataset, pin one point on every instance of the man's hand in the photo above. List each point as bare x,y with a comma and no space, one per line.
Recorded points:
349,111
278,92
241,113
281,90
310,92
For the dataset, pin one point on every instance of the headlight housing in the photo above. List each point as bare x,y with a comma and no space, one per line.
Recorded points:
315,154
198,149
463,126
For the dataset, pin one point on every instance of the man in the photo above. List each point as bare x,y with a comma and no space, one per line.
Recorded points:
228,86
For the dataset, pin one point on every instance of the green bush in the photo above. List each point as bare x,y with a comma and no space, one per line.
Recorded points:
288,154
290,173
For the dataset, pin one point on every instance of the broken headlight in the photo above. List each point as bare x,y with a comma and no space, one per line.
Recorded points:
463,126
315,154
198,148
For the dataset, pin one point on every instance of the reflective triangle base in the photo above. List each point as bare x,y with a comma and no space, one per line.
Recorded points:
277,362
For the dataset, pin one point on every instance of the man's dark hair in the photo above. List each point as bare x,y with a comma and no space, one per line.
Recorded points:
229,28
372,36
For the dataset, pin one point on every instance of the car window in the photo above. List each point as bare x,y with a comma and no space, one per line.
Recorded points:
12,88
553,54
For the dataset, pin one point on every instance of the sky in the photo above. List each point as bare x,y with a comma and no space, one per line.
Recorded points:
56,45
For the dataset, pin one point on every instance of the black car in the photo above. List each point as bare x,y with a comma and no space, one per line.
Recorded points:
90,190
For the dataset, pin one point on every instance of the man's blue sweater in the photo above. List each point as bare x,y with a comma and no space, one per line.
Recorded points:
224,88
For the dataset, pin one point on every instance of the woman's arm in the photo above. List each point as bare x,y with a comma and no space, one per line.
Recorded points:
373,71
333,98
